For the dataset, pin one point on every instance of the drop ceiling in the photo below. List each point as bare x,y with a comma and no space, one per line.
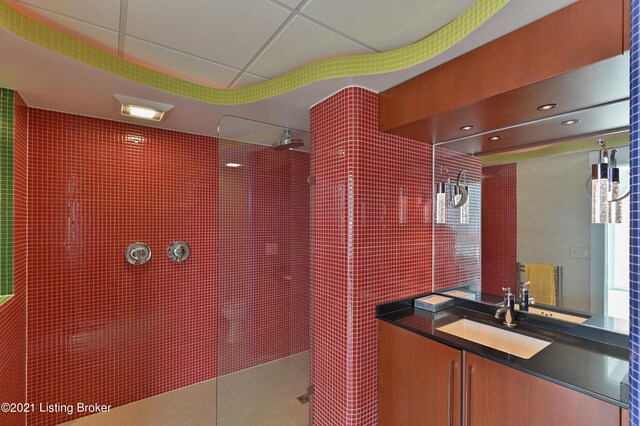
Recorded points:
230,44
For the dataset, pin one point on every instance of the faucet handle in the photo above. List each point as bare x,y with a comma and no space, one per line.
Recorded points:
525,285
507,291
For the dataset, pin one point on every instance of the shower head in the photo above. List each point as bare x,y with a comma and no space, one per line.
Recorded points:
287,142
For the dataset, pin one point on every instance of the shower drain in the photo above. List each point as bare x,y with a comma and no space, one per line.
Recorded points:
303,399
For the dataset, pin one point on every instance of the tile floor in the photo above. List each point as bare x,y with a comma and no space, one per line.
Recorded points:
263,395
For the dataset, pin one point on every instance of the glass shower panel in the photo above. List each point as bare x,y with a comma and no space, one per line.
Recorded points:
263,273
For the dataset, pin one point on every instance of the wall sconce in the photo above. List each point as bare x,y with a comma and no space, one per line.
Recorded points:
441,202
613,196
452,195
606,202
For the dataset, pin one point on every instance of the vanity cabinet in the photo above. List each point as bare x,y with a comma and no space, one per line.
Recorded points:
419,380
493,391
423,382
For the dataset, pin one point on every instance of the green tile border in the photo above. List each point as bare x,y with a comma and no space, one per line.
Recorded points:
583,144
345,66
7,98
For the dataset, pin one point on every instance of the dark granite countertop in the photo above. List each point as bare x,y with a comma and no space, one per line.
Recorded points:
581,358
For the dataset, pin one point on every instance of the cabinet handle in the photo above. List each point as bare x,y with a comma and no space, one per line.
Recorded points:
451,367
467,408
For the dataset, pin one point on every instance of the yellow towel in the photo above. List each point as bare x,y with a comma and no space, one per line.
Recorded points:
543,285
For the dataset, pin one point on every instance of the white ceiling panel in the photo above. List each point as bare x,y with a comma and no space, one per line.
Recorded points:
88,32
247,80
104,13
230,32
179,64
291,3
384,24
301,43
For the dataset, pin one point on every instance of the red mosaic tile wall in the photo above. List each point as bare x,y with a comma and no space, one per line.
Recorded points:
457,245
263,238
99,329
372,244
499,228
12,312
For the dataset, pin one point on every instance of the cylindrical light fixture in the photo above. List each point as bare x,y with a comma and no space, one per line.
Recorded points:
461,192
464,210
613,197
599,189
441,203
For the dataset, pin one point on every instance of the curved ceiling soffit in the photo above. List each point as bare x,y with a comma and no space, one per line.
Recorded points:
343,66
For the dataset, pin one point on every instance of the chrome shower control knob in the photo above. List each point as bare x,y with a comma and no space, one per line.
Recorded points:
138,253
178,251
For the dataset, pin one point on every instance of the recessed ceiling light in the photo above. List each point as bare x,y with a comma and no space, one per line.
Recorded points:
142,108
233,165
570,122
547,107
495,138
142,112
467,127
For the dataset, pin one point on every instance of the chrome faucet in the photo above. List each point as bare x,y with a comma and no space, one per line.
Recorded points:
508,308
525,297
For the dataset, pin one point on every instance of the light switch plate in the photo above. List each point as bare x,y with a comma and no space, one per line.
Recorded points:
580,253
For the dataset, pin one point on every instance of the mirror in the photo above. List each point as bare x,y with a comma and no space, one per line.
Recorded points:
531,218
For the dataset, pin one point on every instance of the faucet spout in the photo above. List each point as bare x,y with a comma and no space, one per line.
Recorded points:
508,309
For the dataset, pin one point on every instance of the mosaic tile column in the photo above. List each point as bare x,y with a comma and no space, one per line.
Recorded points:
499,228
634,244
372,244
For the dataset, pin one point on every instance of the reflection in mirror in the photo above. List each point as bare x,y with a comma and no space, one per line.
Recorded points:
537,210
533,218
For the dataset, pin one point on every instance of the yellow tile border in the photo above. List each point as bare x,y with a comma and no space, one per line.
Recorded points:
344,66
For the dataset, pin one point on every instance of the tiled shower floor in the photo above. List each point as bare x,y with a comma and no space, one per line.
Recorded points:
262,395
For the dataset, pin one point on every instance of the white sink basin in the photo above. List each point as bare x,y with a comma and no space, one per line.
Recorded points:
557,315
496,338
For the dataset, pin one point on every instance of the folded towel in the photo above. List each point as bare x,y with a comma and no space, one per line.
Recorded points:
543,283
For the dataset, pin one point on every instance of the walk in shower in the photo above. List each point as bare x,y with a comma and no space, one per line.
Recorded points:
263,288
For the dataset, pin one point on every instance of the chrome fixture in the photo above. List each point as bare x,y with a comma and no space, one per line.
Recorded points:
495,138
606,202
525,297
508,308
287,142
452,195
138,253
178,251
461,197
547,107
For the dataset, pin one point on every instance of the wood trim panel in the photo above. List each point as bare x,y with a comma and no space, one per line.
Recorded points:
583,33
419,380
626,25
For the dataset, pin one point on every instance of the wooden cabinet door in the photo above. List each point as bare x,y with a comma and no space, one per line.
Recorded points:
495,394
624,417
419,380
